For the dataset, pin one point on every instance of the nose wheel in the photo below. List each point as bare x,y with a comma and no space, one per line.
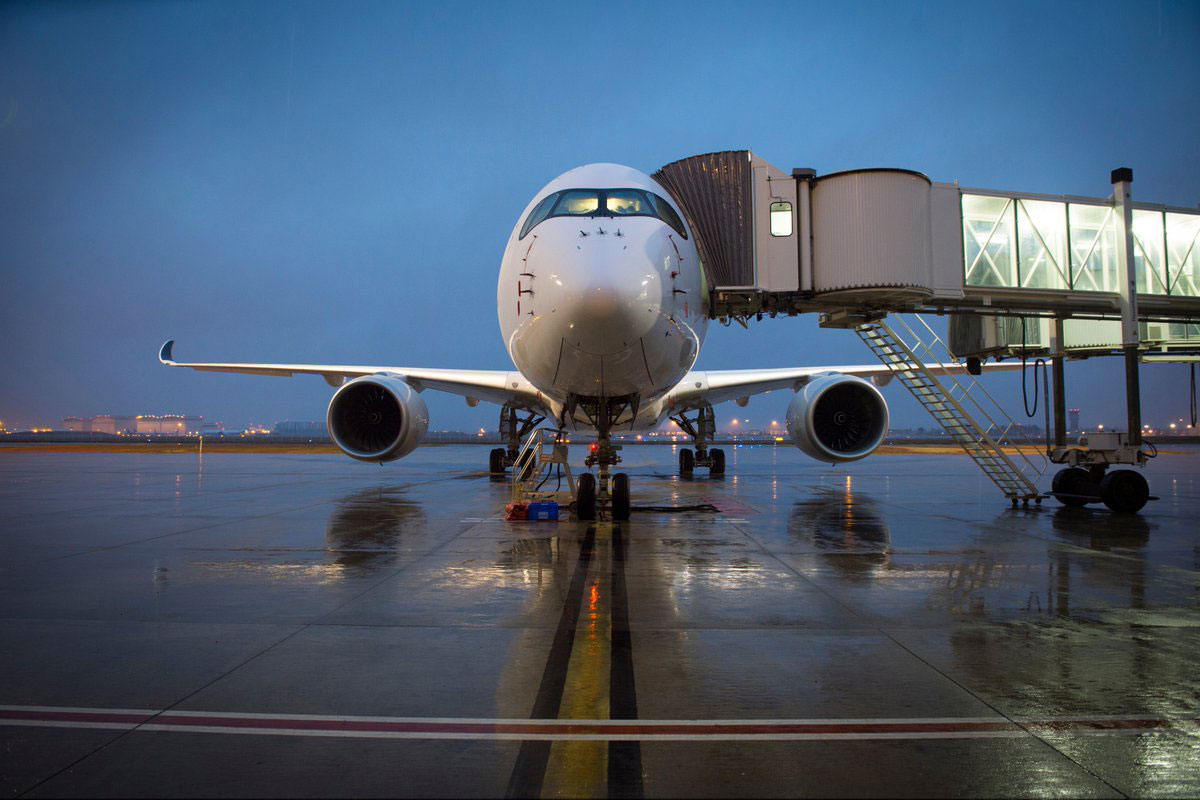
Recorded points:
585,497
620,496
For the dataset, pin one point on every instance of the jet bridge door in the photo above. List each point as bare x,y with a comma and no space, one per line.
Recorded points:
744,215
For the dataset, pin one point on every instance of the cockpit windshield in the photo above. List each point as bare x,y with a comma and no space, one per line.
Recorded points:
576,203
603,203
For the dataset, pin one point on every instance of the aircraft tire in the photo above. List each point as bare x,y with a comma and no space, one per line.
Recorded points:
1075,484
717,464
620,497
1124,491
687,461
496,461
585,497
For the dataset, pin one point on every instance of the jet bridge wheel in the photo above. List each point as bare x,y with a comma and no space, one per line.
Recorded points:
1073,486
585,497
496,461
1124,491
716,465
687,462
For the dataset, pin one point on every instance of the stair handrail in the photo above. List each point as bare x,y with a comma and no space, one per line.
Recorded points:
534,449
1025,443
906,361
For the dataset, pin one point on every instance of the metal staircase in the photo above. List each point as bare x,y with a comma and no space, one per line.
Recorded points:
960,405
531,472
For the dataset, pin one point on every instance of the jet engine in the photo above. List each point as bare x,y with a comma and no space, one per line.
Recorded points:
377,418
837,418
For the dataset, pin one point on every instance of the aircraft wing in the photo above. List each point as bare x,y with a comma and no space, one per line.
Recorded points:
495,386
717,386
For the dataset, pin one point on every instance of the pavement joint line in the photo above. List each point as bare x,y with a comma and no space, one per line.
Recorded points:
130,720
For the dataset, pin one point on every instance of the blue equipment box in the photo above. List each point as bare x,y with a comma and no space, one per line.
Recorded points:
543,511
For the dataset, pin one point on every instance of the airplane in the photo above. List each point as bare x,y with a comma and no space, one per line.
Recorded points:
603,305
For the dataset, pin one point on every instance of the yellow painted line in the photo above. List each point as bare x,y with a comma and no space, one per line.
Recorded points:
580,768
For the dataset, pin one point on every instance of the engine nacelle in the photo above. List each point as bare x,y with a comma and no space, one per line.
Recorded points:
837,418
377,418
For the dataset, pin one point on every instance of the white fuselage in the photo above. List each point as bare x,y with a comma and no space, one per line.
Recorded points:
600,301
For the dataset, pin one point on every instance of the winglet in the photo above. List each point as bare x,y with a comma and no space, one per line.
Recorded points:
164,355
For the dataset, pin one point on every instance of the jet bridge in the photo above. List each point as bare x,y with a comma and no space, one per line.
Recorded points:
878,240
1017,273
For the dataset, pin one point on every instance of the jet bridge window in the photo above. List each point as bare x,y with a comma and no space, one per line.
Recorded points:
781,219
603,203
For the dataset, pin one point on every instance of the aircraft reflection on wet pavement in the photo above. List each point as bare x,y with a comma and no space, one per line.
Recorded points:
366,528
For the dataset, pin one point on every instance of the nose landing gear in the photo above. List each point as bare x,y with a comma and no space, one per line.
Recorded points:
614,494
597,496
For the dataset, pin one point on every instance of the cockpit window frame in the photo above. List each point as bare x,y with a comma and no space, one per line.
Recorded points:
656,207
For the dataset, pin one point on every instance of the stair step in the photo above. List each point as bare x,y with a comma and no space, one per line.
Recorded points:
904,360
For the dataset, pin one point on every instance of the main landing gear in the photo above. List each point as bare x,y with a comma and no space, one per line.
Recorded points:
513,428
701,429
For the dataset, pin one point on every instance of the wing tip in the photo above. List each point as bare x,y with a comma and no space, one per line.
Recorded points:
164,354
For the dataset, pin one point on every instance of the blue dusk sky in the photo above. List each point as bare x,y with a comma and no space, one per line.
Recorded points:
335,182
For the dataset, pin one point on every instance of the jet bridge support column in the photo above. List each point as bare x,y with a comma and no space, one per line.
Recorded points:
1058,373
1122,178
1088,477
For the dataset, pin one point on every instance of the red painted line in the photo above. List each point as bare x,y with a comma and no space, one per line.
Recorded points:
129,717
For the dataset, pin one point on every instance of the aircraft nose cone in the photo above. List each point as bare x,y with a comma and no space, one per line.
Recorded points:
616,304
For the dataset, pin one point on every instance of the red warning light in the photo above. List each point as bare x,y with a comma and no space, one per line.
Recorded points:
593,447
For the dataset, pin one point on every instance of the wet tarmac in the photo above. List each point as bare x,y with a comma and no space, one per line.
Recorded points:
310,626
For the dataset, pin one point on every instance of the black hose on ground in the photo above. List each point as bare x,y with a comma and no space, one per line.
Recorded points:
707,508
